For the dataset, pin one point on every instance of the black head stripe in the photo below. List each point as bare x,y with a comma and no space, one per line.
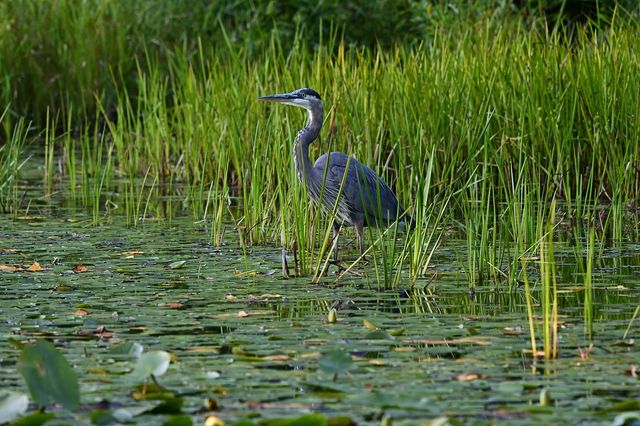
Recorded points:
309,92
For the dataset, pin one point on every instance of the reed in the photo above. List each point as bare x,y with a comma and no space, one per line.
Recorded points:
477,130
549,288
11,161
588,287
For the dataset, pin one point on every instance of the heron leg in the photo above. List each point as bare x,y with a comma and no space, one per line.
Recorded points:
336,234
359,227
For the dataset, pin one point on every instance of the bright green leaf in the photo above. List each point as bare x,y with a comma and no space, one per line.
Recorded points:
398,332
626,405
36,419
177,265
168,406
49,377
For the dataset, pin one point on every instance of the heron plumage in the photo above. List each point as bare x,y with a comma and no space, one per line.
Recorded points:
336,181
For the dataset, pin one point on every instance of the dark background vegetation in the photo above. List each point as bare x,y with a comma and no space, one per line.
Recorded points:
60,56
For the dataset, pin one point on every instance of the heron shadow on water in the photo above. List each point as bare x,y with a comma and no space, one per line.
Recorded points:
337,182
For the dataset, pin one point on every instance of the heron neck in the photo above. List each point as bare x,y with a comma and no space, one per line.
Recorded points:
305,137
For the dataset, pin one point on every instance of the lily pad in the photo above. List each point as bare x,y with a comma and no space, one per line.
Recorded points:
49,377
377,335
336,362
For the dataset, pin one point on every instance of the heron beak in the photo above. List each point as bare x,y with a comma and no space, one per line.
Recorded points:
285,97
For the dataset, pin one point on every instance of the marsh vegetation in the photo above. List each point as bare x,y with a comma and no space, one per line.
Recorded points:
133,146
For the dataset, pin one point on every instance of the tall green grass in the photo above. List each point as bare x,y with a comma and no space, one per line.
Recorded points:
477,131
56,54
12,159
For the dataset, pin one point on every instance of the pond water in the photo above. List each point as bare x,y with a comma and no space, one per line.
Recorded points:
253,342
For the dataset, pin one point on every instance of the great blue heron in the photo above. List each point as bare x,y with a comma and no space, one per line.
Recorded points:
363,198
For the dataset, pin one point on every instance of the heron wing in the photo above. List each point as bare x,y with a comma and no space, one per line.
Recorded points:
377,200
364,193
329,188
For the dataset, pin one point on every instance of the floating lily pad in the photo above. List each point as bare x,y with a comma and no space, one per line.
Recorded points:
336,362
49,377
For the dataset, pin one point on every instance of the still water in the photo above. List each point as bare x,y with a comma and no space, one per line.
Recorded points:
251,341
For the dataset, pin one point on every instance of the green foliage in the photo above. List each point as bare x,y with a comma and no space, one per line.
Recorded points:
476,114
61,55
11,161
459,129
49,377
35,419
567,14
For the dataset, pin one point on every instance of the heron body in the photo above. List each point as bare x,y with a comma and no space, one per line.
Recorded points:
336,181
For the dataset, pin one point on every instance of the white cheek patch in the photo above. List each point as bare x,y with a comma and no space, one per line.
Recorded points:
301,103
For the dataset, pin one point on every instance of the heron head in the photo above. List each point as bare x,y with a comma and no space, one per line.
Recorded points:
304,98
